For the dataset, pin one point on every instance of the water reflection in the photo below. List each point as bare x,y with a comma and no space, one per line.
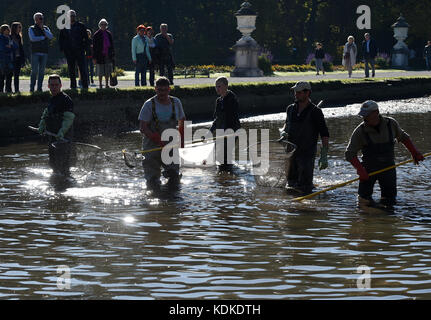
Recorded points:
217,236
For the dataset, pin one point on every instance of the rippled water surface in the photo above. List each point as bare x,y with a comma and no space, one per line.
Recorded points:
218,236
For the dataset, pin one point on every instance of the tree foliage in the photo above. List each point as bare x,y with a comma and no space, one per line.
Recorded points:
205,31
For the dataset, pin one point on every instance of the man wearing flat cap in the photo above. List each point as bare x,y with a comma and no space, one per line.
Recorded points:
304,123
375,137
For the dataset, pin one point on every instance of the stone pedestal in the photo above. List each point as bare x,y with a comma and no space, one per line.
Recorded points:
246,59
246,49
400,52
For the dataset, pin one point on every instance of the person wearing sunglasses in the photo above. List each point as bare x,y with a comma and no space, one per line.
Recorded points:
40,36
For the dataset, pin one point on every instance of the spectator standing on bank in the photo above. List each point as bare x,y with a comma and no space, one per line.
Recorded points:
89,58
40,36
164,42
103,52
73,43
152,45
319,55
369,51
140,55
349,55
427,55
19,55
7,47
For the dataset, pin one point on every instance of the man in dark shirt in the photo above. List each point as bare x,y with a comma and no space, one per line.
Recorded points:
164,42
225,117
73,43
304,123
58,118
369,51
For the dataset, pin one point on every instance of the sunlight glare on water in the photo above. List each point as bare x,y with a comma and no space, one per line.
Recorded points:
217,236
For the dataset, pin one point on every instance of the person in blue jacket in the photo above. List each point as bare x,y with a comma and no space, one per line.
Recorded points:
7,48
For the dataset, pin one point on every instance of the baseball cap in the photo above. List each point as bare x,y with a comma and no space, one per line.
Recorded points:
368,107
301,85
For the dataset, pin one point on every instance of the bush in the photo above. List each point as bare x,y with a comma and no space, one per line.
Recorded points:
293,68
417,63
328,66
383,60
64,71
264,64
119,72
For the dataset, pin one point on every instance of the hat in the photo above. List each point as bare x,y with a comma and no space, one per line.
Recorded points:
141,26
368,107
301,85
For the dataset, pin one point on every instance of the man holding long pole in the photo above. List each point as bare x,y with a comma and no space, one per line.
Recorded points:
375,137
58,118
161,112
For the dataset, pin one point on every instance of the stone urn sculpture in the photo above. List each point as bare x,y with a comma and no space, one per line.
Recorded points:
246,48
400,51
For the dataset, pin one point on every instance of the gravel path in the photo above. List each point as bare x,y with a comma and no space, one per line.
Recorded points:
25,84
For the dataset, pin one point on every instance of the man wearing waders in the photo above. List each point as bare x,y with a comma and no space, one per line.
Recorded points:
58,118
159,113
304,123
375,138
225,117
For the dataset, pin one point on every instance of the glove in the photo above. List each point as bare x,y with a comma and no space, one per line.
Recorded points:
60,135
42,123
68,118
283,136
363,174
323,161
416,155
155,137
181,130
42,126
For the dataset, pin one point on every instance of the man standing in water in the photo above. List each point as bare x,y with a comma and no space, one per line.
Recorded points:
375,138
225,117
58,118
304,123
160,113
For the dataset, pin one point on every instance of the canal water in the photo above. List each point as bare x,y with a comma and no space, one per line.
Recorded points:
218,236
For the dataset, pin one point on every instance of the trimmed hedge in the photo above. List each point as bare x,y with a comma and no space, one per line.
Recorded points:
256,88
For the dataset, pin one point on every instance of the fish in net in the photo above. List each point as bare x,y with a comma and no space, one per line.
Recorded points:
280,156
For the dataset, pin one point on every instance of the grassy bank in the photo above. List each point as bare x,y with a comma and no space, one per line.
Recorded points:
189,91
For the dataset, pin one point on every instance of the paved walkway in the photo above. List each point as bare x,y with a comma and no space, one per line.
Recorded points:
308,76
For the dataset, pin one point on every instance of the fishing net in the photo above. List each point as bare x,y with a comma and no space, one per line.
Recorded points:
87,158
132,159
199,155
277,167
84,157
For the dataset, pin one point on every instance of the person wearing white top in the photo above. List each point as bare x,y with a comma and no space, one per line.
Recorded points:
349,55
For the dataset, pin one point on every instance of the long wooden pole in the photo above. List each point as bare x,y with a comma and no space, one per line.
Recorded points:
351,181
